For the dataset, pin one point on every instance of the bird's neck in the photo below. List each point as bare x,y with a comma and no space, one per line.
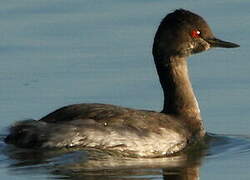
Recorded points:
179,97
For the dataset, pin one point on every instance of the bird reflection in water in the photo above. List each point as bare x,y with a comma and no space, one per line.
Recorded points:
97,164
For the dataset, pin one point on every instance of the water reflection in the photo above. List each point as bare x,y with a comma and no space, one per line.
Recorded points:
178,167
95,164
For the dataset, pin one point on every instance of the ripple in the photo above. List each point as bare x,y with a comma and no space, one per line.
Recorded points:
221,145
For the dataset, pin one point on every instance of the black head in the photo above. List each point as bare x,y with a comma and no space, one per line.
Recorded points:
183,33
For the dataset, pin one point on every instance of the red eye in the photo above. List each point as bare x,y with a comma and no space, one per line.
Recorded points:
195,34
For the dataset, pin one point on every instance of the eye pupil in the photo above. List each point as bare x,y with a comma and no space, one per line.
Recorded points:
195,34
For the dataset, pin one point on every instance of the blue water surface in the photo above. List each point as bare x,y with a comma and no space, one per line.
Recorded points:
59,52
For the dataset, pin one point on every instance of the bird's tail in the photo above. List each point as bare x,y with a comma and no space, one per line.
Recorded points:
27,133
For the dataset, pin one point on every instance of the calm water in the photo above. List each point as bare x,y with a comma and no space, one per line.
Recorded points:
55,53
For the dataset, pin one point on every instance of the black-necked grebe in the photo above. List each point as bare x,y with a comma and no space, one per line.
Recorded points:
135,132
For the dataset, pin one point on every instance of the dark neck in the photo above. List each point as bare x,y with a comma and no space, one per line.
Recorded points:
179,97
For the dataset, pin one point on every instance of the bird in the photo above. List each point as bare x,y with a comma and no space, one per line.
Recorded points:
135,132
